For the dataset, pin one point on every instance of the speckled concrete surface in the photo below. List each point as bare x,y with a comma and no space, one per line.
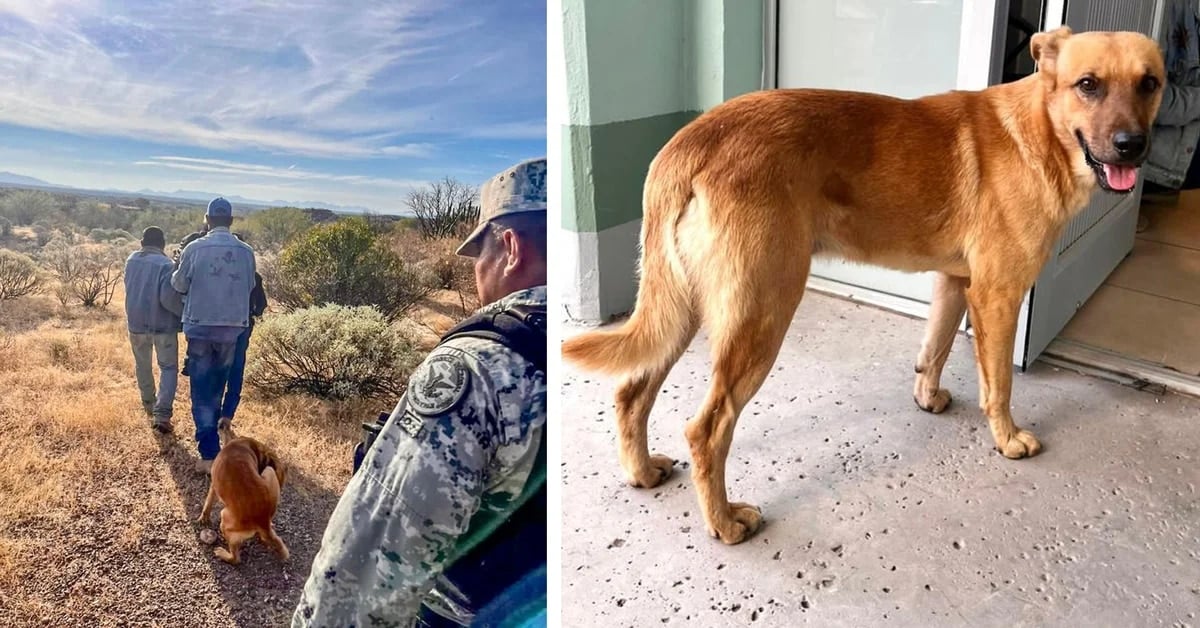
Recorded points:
880,514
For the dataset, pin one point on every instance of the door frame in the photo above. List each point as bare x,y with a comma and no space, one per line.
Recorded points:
979,65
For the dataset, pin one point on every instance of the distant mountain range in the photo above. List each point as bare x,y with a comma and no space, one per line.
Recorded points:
17,179
13,179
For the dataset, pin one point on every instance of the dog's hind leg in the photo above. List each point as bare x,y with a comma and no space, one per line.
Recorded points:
748,318
635,399
270,538
994,311
945,313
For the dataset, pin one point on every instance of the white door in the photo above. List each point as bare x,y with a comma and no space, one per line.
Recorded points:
903,48
1098,239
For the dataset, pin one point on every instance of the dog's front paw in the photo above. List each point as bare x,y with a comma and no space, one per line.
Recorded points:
739,524
1023,444
653,474
224,555
937,402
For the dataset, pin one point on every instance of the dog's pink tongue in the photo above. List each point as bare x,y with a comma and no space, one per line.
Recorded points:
1121,177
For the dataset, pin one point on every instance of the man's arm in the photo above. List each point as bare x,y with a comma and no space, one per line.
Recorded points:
1180,105
398,521
181,279
167,296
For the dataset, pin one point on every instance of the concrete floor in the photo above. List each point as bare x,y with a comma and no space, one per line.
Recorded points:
880,514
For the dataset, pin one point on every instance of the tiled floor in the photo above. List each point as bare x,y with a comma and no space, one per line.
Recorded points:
1149,308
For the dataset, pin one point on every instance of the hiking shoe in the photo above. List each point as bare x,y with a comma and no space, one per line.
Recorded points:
162,426
204,466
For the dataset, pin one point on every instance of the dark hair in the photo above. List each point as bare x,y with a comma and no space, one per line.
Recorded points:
220,221
529,226
154,236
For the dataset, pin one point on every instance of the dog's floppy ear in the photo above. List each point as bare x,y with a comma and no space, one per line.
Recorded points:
1044,47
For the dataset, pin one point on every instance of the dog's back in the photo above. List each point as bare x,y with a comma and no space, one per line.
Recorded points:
247,478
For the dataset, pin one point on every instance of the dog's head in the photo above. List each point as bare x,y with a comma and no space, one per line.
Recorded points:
1103,91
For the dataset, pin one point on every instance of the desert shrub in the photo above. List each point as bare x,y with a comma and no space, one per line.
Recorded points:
60,351
344,263
19,275
444,209
110,235
44,232
5,227
273,228
89,273
332,352
438,266
26,207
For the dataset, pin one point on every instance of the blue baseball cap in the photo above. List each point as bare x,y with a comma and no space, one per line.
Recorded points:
219,208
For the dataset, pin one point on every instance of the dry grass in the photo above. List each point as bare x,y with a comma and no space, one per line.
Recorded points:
95,519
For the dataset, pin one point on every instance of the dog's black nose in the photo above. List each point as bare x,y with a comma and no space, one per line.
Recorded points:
1129,144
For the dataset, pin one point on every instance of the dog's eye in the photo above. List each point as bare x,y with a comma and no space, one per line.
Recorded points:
1088,85
1149,84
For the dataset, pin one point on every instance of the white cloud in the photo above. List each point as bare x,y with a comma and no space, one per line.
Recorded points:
234,168
325,79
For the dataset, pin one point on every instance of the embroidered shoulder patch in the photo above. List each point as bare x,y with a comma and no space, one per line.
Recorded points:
441,384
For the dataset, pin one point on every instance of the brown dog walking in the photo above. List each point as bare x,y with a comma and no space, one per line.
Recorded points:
247,477
976,186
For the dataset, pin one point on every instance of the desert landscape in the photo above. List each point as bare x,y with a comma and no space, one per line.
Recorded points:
97,521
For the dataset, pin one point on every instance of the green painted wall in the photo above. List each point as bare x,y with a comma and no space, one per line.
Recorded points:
636,72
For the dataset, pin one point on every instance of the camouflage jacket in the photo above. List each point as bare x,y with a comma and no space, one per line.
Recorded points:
462,440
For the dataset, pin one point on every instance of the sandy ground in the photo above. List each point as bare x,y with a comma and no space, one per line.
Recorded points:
880,514
97,510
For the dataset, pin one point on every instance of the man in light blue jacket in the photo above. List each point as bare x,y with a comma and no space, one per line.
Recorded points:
152,311
216,273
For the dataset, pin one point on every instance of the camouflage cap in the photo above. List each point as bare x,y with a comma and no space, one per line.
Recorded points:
520,188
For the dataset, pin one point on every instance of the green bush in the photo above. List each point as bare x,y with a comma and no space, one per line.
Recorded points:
44,232
5,227
344,263
110,235
26,207
273,228
19,275
332,352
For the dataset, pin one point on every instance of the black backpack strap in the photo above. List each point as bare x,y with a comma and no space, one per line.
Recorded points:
520,328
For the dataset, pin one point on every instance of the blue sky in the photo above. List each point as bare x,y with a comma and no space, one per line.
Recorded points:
342,101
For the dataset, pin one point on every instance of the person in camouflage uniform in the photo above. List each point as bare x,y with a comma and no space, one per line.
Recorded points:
458,448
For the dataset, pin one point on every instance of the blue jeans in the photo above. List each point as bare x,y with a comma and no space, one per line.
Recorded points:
208,367
233,390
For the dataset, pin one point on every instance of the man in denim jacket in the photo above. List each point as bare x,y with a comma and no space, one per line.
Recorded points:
216,273
1170,165
152,311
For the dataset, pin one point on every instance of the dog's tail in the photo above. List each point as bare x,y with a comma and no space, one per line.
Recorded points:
662,321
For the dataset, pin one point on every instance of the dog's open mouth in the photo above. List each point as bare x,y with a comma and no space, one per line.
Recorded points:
1112,177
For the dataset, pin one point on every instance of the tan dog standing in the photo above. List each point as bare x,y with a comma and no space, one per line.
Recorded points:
974,185
246,477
